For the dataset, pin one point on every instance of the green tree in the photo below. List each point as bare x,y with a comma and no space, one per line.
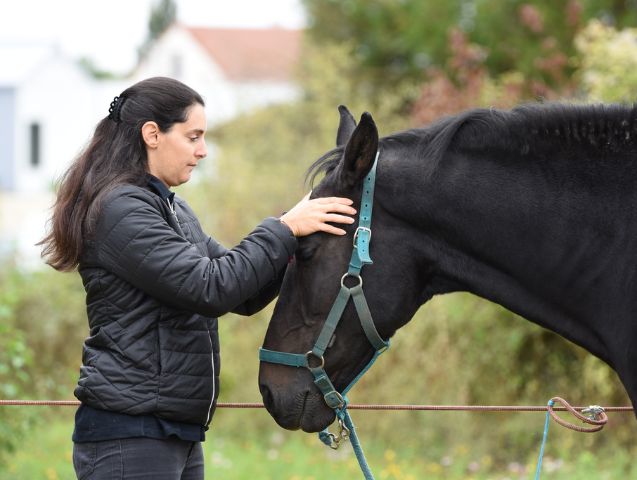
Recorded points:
398,40
163,14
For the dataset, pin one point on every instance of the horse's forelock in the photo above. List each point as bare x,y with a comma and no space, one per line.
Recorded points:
325,165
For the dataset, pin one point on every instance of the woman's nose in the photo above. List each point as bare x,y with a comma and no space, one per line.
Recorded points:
202,151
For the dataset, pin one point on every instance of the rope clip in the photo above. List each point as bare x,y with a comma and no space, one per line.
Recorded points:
335,441
593,412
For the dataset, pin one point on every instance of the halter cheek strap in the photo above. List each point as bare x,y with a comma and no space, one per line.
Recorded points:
314,360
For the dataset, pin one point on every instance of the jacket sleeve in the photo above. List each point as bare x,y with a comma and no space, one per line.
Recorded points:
265,295
135,242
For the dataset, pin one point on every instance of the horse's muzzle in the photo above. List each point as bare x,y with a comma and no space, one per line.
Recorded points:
304,409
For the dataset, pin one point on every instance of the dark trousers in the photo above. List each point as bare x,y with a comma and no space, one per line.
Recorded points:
139,458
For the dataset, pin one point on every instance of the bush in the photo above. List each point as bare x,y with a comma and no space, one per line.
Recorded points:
608,63
15,359
42,327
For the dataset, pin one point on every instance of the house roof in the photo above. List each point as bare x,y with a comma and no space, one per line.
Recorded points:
21,60
251,54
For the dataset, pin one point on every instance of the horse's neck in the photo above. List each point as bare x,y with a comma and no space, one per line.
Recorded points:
545,244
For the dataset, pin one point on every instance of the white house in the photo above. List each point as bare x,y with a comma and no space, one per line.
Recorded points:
49,107
45,99
235,70
47,113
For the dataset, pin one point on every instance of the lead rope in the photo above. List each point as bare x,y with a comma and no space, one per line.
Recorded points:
360,257
593,415
347,430
358,449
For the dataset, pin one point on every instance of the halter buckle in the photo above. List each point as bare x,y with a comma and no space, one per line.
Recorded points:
365,229
334,400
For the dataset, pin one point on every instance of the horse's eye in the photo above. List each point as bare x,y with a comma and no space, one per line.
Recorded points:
305,252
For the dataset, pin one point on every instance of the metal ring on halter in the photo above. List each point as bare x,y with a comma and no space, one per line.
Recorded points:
307,359
360,280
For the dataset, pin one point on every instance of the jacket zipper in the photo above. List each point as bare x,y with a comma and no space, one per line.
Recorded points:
172,208
212,353
212,398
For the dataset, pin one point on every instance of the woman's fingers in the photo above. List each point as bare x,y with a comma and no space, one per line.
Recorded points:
343,200
309,216
335,218
336,204
332,229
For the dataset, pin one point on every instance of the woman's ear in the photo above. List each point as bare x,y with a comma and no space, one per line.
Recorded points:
150,134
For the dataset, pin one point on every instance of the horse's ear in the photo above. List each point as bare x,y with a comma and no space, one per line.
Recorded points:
360,151
345,127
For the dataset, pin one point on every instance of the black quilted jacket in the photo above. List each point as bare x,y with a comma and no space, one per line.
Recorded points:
155,283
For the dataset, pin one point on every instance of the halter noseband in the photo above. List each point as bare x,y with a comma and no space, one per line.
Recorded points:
314,360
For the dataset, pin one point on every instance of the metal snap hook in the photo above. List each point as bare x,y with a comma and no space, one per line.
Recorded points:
343,431
334,441
593,412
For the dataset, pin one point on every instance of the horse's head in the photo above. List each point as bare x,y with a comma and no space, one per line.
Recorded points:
313,281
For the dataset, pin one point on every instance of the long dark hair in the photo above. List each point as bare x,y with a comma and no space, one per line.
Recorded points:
115,155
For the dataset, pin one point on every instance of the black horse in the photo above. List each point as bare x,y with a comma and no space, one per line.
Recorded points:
533,208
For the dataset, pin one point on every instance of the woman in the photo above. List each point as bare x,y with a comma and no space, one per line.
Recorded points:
155,283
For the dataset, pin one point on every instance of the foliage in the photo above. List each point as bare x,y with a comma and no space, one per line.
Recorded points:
399,40
48,311
88,65
468,84
608,63
42,327
15,357
280,455
162,15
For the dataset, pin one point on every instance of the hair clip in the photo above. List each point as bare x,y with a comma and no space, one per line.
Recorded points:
115,109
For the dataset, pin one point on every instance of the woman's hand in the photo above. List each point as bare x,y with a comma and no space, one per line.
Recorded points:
309,216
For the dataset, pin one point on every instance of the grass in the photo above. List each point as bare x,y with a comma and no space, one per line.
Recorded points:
281,455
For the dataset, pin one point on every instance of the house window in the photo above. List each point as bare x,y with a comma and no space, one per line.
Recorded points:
34,144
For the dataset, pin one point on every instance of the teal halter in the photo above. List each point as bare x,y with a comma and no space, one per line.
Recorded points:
314,360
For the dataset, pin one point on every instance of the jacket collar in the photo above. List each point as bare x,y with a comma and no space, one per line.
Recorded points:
160,188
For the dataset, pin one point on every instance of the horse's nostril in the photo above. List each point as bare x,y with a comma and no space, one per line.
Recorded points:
266,394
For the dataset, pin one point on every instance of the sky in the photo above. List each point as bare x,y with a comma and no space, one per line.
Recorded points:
109,32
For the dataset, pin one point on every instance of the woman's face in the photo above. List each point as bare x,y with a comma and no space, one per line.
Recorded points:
178,151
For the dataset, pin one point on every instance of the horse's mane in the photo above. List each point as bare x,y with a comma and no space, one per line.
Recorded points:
526,129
